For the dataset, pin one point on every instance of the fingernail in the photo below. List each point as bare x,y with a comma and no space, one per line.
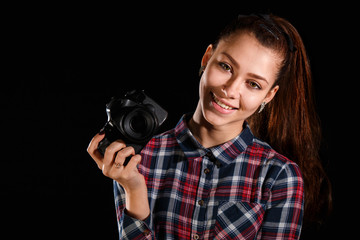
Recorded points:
102,131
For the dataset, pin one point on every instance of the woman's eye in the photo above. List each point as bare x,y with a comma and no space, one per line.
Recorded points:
225,66
254,85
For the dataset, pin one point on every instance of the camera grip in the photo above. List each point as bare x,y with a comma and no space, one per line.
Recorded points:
103,144
127,160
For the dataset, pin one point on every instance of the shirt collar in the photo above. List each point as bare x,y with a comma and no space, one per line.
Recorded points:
225,152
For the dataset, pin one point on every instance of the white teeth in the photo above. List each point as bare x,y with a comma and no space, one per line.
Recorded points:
221,104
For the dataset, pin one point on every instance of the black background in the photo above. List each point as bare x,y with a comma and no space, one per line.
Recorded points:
63,63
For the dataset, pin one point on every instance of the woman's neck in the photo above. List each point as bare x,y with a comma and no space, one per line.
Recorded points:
208,135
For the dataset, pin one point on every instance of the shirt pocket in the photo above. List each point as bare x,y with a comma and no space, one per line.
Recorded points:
238,220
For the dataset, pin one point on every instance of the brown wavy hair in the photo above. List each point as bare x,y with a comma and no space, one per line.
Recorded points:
289,123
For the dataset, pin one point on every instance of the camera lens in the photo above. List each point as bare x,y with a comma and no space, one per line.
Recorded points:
138,124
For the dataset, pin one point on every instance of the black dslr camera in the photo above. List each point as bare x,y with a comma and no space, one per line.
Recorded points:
134,118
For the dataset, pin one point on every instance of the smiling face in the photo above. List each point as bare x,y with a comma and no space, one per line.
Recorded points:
239,76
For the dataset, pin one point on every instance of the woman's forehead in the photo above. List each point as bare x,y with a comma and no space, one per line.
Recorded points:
247,53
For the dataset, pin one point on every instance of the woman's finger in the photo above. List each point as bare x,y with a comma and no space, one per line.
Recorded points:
122,155
134,161
93,151
110,153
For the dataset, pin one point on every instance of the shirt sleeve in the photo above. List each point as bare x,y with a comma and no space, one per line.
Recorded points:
129,228
284,213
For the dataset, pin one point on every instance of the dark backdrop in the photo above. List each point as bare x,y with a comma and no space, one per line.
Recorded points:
64,63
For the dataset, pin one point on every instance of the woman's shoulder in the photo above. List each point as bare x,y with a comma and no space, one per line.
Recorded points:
271,159
161,142
162,138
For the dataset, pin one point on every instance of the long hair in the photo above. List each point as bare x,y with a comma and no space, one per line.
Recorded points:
289,123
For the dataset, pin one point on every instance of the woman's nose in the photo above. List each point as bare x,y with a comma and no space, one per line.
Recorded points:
232,88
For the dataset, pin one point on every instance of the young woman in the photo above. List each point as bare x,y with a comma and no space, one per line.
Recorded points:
211,177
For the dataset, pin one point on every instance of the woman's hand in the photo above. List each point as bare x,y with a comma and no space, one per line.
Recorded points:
127,176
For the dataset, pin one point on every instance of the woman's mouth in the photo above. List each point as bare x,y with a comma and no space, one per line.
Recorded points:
221,106
220,103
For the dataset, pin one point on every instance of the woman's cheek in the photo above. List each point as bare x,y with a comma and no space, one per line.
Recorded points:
249,102
214,77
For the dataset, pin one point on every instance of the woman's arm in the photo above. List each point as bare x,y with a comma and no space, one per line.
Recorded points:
284,213
133,183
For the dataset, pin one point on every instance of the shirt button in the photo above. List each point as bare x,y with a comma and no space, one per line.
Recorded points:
146,232
201,202
195,236
206,171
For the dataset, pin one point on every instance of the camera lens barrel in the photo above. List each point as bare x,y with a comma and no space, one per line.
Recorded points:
138,125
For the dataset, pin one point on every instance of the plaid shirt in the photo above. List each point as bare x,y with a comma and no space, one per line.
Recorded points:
241,189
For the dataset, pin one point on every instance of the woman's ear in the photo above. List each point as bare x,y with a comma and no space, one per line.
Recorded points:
271,94
207,55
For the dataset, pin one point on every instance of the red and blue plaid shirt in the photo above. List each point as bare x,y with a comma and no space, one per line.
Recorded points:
241,189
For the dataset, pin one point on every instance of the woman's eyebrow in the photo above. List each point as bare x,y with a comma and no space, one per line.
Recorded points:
258,77
234,62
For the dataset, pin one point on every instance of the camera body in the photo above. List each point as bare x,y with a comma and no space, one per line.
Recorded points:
134,118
